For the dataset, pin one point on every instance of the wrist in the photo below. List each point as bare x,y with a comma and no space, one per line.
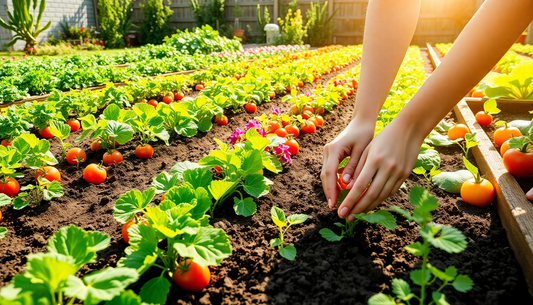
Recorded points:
410,129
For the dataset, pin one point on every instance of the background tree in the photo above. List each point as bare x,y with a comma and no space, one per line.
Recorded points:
155,24
115,21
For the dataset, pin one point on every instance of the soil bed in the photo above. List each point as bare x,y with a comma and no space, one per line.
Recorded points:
346,272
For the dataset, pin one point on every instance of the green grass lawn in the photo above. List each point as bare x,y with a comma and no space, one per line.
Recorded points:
19,54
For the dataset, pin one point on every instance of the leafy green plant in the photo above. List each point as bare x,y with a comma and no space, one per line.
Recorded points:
381,217
261,22
149,124
517,85
35,153
435,235
44,190
61,131
155,24
319,24
469,142
278,217
51,276
293,30
428,175
115,18
181,222
21,21
202,40
12,124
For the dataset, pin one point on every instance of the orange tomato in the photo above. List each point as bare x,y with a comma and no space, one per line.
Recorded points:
478,194
458,131
505,133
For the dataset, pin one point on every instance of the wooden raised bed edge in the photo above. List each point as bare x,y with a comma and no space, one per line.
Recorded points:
515,211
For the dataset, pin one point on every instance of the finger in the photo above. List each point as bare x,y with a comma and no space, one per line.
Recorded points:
396,187
359,186
372,194
329,175
385,193
359,168
349,169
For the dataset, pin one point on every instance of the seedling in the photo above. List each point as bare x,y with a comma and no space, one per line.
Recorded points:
44,190
61,131
381,217
435,235
428,175
469,142
278,217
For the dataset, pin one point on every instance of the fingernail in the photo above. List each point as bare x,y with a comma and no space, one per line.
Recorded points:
346,178
529,194
343,211
329,203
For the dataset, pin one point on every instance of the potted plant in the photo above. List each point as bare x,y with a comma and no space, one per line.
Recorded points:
237,12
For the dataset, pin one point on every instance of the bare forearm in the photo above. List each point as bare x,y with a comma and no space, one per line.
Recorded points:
389,28
485,39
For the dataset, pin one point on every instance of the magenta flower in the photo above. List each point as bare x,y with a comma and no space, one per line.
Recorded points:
262,132
282,151
236,136
253,124
3,58
275,111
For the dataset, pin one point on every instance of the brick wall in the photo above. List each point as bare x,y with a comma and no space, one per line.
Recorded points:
76,12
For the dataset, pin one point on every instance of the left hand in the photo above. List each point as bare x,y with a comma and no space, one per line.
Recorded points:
387,161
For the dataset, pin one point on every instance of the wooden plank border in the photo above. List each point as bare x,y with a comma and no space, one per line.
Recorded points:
515,211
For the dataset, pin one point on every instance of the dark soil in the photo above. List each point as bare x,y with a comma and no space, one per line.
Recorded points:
346,272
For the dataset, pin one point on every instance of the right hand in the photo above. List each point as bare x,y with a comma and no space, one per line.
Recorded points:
351,142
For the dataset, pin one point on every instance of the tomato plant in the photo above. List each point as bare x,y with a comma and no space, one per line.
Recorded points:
308,127
192,276
95,174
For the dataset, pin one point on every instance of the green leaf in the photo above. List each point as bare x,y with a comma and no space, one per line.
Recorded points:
143,237
60,130
462,283
255,185
112,112
451,182
3,232
19,203
523,125
132,203
420,197
288,252
120,132
275,242
439,273
209,247
278,216
198,177
402,212
295,219
401,289
329,235
450,239
417,249
271,163
381,299
417,276
245,207
51,268
419,170
439,298
127,297
181,167
451,272
101,285
427,158
219,189
155,291
79,244
436,139
203,203
381,217
164,182
5,200
252,162
444,126
491,107
53,190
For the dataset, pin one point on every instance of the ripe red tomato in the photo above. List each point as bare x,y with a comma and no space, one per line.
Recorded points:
308,108
74,124
237,76
153,103
285,123
294,147
45,133
194,279
250,107
478,194
321,110
127,225
94,173
320,121
308,127
144,152
49,173
76,155
114,157
519,164
199,87
294,110
222,121
143,101
95,146
293,130
300,84
6,143
458,131
505,133
273,126
306,114
169,98
218,169
483,119
10,187
281,132
178,96
272,95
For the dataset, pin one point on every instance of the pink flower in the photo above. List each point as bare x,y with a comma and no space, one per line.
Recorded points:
275,111
282,151
236,136
81,29
3,58
23,56
253,124
13,58
262,132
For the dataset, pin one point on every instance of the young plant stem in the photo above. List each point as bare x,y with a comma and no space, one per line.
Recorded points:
424,266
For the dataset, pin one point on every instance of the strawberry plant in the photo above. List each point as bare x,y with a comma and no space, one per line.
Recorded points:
435,235
278,217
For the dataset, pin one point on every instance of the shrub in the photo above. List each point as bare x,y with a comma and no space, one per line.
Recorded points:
155,24
261,22
319,24
115,21
292,29
202,40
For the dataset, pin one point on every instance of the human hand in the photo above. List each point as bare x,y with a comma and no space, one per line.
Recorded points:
352,141
386,162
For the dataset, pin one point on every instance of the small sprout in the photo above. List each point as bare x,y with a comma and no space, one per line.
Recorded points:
469,142
381,217
428,175
278,217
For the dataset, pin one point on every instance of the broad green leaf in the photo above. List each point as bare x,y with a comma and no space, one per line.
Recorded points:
140,260
401,289
271,163
120,132
127,297
278,216
142,237
381,217
255,185
451,272
450,239
295,219
112,112
181,167
439,273
20,203
132,203
101,285
329,235
491,107
288,252
419,170
417,249
275,242
198,177
3,232
53,190
155,291
402,212
4,200
443,126
164,182
462,283
439,298
59,130
209,247
203,203
417,276
522,125
451,182
381,299
51,268
257,143
427,158
252,162
220,188
436,139
245,207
